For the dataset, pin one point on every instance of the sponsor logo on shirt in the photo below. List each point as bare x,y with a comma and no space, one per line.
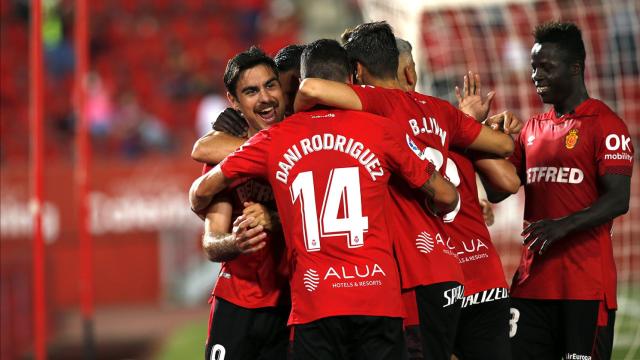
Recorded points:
563,175
351,276
614,142
574,356
472,246
451,296
571,139
427,242
486,296
424,242
311,280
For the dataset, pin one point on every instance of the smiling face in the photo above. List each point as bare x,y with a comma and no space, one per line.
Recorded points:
259,97
551,72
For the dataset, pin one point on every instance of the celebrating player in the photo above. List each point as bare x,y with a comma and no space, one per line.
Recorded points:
427,260
575,162
251,298
329,175
230,129
483,329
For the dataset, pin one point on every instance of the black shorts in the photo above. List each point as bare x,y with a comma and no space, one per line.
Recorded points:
349,338
237,333
548,329
483,329
439,308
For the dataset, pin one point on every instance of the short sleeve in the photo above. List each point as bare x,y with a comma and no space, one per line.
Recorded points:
374,100
464,130
614,150
403,158
250,160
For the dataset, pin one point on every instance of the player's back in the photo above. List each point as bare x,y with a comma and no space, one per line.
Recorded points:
329,171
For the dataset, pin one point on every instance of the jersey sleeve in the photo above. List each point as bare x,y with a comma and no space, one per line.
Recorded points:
374,100
250,160
464,128
403,158
614,150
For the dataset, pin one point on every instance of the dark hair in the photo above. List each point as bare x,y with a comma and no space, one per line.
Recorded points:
243,61
374,46
325,59
288,57
566,35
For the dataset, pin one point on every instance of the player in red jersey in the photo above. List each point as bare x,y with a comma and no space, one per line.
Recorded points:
329,174
575,162
230,129
483,329
251,299
424,253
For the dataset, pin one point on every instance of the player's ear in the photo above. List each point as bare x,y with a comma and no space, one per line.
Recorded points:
575,69
233,101
359,73
411,76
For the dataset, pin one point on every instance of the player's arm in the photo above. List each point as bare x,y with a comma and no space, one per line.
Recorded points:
493,142
215,146
612,202
219,244
262,215
314,91
498,174
204,188
441,195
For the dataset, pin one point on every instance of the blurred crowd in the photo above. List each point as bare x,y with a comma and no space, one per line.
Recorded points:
152,64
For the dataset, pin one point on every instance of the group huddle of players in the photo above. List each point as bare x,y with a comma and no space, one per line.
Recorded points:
344,208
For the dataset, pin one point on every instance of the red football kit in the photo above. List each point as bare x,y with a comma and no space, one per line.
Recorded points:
469,234
259,279
329,171
559,160
430,126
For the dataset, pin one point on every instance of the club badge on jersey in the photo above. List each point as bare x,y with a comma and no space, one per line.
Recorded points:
571,139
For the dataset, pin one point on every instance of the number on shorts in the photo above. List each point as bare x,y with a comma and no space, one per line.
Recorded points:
217,352
513,322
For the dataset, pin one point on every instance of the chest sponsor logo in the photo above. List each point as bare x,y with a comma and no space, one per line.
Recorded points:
486,296
564,175
426,243
574,356
571,139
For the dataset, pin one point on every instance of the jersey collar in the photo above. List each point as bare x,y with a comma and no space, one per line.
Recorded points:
587,108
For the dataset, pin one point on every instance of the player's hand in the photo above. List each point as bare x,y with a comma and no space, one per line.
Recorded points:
248,239
231,122
260,213
487,212
540,235
505,121
470,100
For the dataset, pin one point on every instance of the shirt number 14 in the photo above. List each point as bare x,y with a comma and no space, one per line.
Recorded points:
343,188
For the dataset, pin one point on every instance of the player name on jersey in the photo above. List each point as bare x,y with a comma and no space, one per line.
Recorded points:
329,142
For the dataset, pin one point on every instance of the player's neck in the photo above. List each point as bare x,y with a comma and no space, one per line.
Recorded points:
572,101
252,131
386,83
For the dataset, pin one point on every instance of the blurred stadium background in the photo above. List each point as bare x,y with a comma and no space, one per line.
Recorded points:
154,85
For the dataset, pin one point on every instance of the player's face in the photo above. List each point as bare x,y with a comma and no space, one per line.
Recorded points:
290,81
550,72
259,97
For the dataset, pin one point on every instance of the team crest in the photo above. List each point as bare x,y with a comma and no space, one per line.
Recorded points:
571,139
